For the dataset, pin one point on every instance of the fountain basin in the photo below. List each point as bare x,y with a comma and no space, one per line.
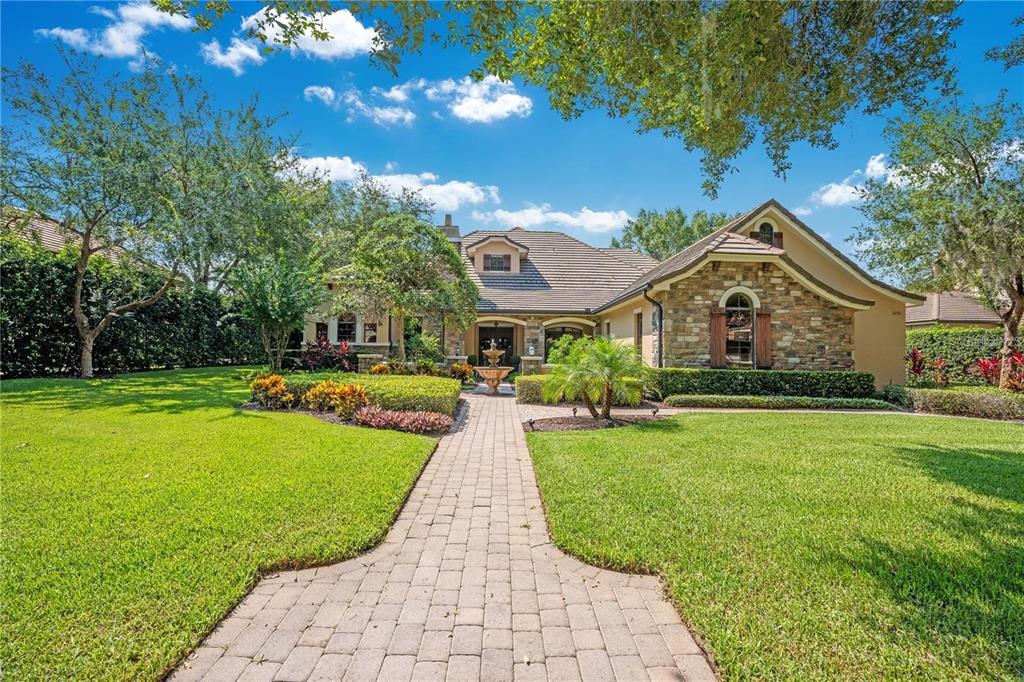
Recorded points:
493,376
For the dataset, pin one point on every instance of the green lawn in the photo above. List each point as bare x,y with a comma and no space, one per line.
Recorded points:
137,511
811,546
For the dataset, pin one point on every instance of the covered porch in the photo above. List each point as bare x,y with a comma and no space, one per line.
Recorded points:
528,337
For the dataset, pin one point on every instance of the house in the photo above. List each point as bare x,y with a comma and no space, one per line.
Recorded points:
49,235
763,291
953,309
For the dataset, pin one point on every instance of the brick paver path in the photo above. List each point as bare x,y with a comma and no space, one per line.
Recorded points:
466,586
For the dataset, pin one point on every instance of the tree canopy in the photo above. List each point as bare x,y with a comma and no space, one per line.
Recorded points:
950,212
403,266
715,75
664,234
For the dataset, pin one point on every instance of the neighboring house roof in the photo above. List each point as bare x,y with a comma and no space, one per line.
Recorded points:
560,275
954,306
48,234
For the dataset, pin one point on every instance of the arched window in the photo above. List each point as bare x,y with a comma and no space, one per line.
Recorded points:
766,233
739,329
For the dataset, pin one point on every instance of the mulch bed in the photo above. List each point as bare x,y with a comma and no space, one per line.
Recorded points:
585,423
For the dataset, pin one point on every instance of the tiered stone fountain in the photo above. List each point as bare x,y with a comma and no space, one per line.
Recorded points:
492,374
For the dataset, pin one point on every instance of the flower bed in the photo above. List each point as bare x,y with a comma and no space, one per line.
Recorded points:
399,420
968,401
778,402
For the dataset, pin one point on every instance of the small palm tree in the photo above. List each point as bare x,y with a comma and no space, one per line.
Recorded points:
595,371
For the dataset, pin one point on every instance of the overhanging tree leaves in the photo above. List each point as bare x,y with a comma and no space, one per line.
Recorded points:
406,267
950,214
661,235
715,75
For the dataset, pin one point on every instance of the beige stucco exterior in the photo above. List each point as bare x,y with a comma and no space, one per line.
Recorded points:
495,247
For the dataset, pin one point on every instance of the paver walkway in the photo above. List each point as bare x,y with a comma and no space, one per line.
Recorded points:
466,586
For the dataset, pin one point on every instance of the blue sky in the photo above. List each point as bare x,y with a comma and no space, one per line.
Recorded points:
492,154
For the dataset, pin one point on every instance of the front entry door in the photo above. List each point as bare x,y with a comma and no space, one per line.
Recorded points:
502,339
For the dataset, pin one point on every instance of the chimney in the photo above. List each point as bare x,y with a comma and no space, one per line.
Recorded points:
450,231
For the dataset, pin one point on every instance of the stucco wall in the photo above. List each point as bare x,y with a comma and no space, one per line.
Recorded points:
808,331
620,322
495,247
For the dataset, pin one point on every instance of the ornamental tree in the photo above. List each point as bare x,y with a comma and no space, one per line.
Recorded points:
404,267
716,75
276,292
661,235
950,212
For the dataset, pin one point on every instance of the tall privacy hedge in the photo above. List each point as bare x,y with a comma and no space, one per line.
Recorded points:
959,346
188,327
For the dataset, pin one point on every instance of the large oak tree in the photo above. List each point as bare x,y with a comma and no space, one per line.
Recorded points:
716,75
664,234
950,213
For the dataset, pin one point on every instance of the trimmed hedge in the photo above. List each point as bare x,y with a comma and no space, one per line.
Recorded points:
391,392
530,388
833,384
778,402
960,347
988,403
188,327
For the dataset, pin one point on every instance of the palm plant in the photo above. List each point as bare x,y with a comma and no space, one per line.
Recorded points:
595,371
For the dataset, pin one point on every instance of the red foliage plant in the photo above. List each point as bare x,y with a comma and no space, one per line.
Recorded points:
916,361
989,369
321,354
941,368
377,417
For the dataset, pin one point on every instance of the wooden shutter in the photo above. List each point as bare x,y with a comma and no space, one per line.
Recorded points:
777,240
763,338
717,336
507,263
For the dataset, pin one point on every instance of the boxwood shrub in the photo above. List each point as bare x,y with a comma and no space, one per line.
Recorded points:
529,389
823,384
391,392
969,401
778,402
960,347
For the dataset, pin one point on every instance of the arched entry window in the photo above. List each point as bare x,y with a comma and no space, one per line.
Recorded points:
552,334
739,329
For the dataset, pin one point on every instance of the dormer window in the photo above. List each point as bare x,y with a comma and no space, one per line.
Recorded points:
767,233
497,263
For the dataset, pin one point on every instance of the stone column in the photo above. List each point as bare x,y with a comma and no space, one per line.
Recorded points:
366,360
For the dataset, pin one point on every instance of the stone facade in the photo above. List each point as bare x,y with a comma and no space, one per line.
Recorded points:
808,331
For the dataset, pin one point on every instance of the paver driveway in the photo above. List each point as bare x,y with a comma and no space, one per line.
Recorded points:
466,586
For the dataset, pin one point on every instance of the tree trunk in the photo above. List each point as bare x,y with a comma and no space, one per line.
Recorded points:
606,404
86,359
590,406
1011,326
400,317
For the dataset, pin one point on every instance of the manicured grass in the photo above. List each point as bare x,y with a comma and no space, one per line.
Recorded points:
811,546
137,511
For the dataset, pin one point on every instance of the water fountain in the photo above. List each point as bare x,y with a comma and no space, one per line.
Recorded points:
492,374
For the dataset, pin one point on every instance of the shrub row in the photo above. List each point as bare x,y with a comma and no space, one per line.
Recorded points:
530,389
188,327
409,393
778,402
968,402
823,384
960,347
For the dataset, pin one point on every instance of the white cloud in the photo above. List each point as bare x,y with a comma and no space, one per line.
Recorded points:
391,166
485,101
533,215
802,211
385,116
401,92
238,54
348,37
334,168
876,167
446,196
850,190
123,38
836,194
323,93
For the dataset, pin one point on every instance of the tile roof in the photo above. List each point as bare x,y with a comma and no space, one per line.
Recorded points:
635,258
560,274
953,306
48,234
